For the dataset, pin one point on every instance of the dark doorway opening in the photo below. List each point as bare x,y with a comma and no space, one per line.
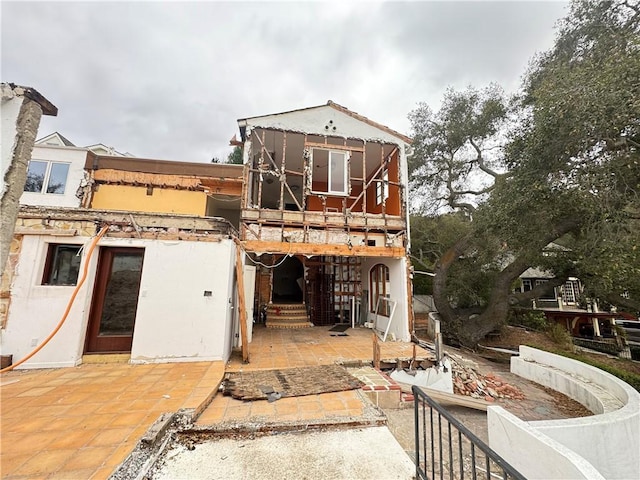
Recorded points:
288,279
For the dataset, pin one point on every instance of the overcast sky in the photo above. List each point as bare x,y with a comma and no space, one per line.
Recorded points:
169,80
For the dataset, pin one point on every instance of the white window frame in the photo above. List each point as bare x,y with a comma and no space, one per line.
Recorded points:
570,292
345,171
382,187
47,175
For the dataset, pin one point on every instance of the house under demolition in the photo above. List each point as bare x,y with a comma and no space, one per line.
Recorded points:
312,230
324,217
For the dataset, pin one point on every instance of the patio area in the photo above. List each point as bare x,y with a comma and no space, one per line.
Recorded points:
83,422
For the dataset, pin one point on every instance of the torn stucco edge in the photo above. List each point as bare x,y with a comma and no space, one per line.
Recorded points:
39,220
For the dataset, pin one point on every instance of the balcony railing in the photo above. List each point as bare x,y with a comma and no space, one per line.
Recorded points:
446,449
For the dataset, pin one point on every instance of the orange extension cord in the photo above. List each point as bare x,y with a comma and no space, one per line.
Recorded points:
69,304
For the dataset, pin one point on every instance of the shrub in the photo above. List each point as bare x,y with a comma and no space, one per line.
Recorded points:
533,319
559,335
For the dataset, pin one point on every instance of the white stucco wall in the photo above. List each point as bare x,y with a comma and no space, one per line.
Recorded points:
609,441
399,328
74,156
36,309
174,322
532,453
314,120
9,110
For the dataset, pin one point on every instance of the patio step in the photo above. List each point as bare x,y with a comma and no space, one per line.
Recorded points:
287,315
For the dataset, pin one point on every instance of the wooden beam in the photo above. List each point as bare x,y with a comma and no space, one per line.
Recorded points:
329,146
449,398
323,249
241,304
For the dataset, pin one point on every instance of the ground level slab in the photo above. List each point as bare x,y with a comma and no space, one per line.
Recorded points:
362,453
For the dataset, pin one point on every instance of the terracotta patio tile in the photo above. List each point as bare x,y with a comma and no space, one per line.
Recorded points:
82,409
88,458
102,473
129,419
211,415
72,474
9,463
111,436
75,438
96,421
44,462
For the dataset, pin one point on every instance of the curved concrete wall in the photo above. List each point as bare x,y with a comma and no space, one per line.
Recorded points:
608,441
532,453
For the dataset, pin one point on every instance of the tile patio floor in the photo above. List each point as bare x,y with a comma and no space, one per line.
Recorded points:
82,422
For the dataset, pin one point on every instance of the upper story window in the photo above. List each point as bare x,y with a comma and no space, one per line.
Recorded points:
550,295
46,177
382,187
571,292
330,172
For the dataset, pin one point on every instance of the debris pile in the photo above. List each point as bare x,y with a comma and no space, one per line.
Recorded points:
467,381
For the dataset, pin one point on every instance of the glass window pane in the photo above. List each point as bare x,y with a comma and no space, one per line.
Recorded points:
35,176
121,297
337,172
57,177
64,265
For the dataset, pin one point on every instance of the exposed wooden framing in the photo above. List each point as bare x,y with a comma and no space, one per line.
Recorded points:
263,149
450,398
376,351
246,175
364,180
260,171
373,177
282,169
410,297
295,248
329,146
241,304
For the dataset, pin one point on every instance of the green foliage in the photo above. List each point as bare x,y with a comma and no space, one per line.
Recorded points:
235,157
633,379
455,146
568,168
559,335
533,319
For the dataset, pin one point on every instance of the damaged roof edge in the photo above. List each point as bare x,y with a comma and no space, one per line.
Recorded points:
168,167
147,219
32,94
242,122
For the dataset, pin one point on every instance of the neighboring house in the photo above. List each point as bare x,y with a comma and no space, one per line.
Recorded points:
55,172
325,217
568,306
319,207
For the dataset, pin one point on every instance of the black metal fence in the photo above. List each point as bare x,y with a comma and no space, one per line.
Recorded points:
446,449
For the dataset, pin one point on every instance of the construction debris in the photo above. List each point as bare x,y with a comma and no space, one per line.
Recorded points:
468,381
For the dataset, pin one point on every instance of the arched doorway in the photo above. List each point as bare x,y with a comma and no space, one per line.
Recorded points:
288,279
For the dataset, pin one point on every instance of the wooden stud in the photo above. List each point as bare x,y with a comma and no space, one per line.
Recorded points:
331,146
241,304
376,351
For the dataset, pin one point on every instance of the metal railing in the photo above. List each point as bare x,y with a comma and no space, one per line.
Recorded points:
446,449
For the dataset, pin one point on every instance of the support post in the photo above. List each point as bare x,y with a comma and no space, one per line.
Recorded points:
241,304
